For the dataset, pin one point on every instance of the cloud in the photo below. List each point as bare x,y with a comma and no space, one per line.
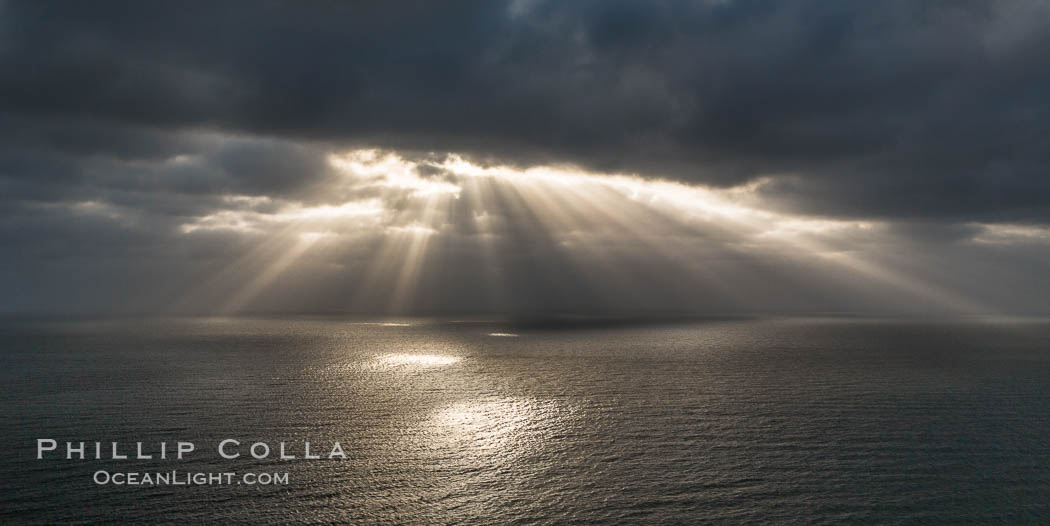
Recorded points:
943,103
381,232
157,145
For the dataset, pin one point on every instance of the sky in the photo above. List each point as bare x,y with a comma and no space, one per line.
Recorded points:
706,156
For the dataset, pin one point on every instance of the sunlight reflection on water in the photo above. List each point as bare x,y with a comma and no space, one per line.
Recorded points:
490,425
417,360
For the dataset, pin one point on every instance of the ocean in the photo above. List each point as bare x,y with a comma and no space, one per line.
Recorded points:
573,421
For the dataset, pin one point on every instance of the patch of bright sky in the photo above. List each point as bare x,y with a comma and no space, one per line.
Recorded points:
737,206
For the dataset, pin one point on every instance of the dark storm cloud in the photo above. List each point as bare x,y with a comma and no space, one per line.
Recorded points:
148,148
891,109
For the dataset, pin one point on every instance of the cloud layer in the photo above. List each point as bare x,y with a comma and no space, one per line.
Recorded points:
161,143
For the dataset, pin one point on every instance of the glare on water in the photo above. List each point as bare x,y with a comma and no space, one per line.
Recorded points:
417,360
482,424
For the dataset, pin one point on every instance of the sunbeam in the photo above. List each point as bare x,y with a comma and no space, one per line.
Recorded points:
594,236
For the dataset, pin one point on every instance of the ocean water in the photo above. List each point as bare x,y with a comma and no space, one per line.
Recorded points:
779,420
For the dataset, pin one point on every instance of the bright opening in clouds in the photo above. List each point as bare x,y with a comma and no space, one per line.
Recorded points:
399,234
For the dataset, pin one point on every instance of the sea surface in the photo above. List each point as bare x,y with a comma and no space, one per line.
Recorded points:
443,421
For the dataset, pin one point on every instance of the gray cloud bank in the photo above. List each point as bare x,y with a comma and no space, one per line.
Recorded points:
125,121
